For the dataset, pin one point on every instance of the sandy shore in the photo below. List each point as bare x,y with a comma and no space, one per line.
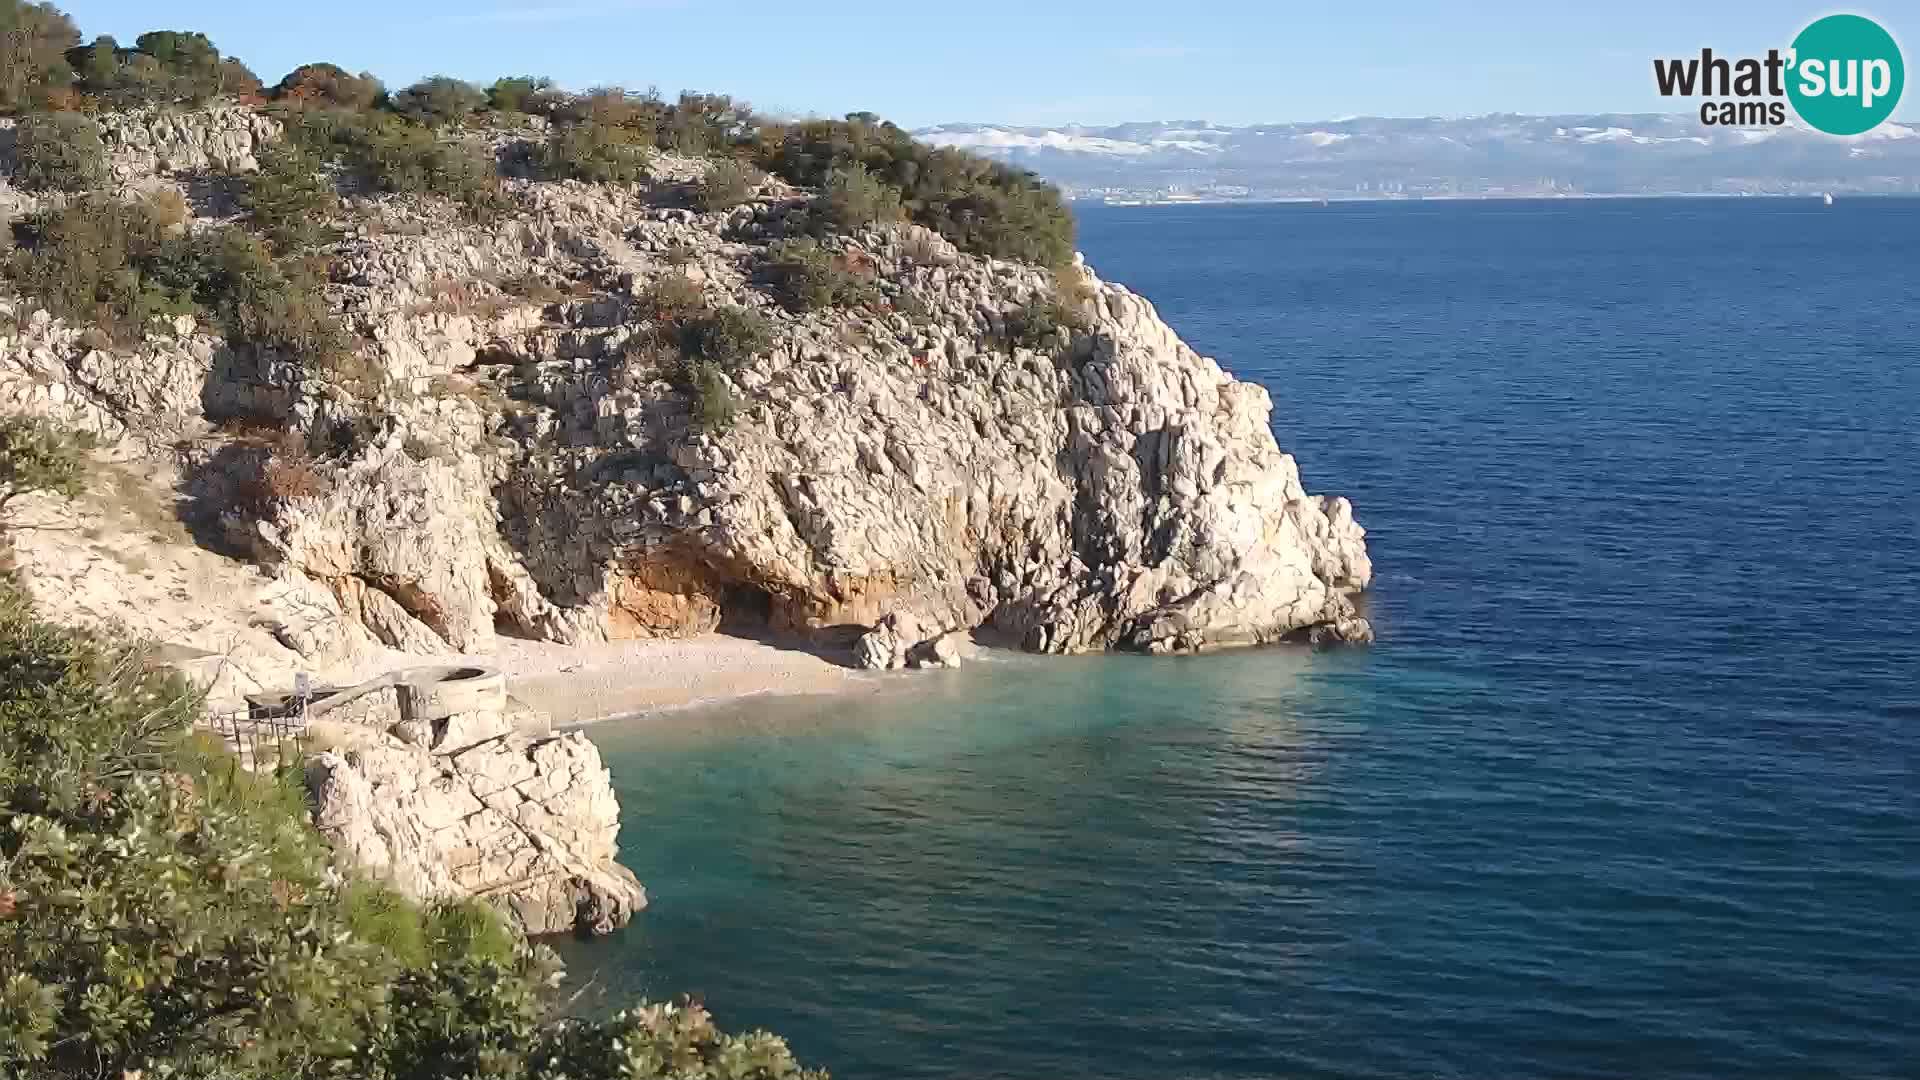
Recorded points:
576,684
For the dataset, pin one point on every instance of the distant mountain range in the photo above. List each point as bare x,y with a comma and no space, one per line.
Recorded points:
1477,156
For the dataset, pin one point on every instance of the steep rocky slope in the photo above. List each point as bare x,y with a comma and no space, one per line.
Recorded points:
511,458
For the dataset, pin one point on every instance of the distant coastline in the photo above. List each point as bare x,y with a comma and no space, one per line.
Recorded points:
1299,200
1494,156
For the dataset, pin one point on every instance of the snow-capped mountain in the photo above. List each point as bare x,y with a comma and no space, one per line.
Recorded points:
1500,154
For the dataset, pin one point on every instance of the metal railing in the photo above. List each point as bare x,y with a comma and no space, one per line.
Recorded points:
262,734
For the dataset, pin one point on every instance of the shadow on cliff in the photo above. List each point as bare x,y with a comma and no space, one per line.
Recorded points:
257,455
592,540
213,195
216,487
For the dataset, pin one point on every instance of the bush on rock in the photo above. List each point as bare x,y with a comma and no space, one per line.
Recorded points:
982,206
854,198
713,400
393,155
439,101
726,336
59,151
598,153
807,277
35,456
328,85
120,265
727,185
291,200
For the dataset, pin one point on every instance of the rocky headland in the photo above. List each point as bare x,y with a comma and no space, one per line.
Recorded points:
506,454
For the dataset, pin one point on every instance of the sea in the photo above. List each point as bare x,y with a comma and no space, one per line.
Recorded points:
1629,787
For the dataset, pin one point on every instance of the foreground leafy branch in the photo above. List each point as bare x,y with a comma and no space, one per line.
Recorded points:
164,913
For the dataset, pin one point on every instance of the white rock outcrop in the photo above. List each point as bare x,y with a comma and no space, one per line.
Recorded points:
164,140
526,824
1107,489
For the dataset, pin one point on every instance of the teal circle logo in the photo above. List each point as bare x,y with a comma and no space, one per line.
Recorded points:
1846,75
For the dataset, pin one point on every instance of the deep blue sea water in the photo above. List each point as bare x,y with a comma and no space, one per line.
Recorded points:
1629,787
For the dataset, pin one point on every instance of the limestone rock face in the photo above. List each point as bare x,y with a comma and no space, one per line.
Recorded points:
159,140
403,544
892,478
523,459
527,825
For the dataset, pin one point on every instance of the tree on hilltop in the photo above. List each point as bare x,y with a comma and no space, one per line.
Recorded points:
329,84
34,39
439,101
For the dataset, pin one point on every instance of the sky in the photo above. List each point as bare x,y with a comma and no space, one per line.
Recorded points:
1030,62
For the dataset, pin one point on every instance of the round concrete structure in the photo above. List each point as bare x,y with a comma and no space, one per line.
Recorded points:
435,693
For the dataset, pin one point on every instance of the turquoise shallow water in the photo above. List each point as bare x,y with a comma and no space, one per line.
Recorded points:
1628,787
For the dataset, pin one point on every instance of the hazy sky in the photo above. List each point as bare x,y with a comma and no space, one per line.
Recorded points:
1028,61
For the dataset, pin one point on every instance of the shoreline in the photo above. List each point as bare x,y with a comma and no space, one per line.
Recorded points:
581,685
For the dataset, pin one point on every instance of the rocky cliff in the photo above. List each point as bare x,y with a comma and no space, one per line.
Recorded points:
520,465
510,448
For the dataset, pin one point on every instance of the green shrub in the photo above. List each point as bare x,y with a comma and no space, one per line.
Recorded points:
329,133
661,1040
1036,323
701,124
672,297
59,151
439,101
982,206
713,401
34,39
610,106
727,185
189,65
162,909
393,155
854,198
117,264
470,1018
107,262
808,277
596,152
328,85
409,160
35,456
268,304
468,929
385,919
291,200
521,94
727,336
